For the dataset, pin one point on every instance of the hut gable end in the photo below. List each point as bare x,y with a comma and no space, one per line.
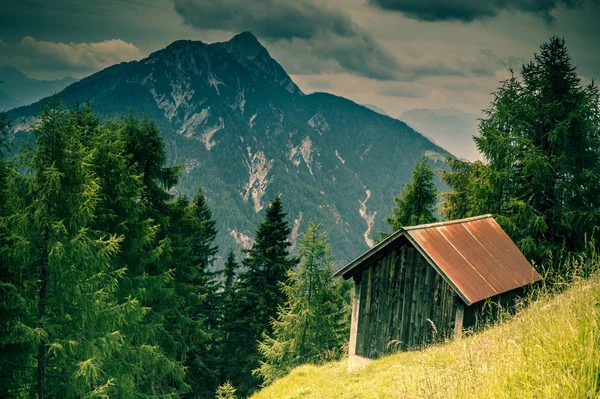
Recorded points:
412,288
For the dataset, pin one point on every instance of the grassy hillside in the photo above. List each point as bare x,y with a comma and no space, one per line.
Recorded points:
549,350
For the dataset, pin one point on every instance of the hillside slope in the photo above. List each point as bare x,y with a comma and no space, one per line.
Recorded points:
549,350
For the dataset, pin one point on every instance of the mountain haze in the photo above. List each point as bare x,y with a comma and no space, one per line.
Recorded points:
244,131
451,128
17,89
375,108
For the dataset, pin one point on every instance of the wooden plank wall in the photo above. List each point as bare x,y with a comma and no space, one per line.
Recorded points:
400,300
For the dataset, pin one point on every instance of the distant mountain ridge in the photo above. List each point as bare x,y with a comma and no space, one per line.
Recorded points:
375,108
450,128
244,131
17,89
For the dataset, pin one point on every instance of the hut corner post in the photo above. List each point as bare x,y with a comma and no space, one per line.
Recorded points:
355,310
458,321
355,361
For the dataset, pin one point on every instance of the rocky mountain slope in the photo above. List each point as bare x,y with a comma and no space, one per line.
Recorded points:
245,132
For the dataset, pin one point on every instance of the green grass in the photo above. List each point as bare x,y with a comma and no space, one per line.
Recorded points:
551,349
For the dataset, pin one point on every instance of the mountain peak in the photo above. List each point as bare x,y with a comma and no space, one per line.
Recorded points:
245,37
183,43
245,44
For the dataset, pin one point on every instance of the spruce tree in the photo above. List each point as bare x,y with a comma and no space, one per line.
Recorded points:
230,349
152,257
229,273
540,138
121,211
226,391
197,286
313,324
416,203
267,264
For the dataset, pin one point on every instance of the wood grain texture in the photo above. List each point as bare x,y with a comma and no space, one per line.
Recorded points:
401,303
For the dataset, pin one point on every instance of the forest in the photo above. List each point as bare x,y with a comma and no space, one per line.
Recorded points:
110,285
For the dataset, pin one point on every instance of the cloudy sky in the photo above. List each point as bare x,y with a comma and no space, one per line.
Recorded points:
396,54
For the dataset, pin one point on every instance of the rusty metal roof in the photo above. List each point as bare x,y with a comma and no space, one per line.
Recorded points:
474,255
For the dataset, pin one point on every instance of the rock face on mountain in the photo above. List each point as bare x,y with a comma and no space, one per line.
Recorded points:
17,89
245,132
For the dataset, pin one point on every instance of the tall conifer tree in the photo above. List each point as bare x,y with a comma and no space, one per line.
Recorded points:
122,212
193,232
72,317
416,203
229,348
152,258
230,272
16,357
313,324
540,138
260,289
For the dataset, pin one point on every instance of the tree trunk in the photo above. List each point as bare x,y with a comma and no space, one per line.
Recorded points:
43,293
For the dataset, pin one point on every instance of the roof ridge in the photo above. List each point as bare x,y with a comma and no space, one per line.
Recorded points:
392,237
446,223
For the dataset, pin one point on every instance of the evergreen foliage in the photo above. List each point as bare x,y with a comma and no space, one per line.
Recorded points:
104,279
313,324
416,203
267,264
229,345
226,391
69,324
229,273
541,141
124,212
197,288
15,356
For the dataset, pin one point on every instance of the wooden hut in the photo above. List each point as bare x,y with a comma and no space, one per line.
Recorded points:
428,282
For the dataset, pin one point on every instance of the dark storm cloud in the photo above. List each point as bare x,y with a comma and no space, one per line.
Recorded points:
329,33
470,10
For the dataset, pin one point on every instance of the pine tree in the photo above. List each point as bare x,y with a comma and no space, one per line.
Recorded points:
71,320
416,203
465,179
313,324
267,264
540,138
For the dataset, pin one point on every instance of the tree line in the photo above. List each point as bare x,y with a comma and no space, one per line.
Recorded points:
108,282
